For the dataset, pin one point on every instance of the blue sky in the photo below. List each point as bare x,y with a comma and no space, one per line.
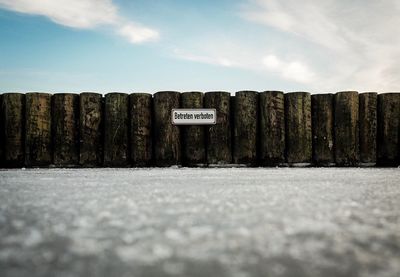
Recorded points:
127,46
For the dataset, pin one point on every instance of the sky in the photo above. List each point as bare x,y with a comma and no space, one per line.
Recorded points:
231,45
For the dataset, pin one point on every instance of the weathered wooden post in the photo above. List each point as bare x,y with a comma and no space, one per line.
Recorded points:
12,117
346,128
193,137
90,129
65,129
298,128
245,114
368,103
322,129
140,129
1,133
116,130
272,128
219,135
167,142
388,129
232,101
38,135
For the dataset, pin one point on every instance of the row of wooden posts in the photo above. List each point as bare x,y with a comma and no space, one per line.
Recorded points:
255,129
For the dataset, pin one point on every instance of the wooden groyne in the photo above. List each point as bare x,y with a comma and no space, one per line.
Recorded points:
269,128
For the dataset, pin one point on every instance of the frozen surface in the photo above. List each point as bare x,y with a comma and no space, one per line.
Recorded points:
200,222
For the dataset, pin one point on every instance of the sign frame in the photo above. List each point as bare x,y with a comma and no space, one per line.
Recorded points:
194,109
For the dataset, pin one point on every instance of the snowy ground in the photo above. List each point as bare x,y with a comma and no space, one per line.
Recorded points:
200,222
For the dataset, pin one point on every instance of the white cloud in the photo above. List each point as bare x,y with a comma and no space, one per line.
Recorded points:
137,34
325,45
357,41
213,60
236,57
83,14
292,70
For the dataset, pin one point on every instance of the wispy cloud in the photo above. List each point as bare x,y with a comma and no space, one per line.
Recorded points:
322,45
84,14
213,60
293,70
358,38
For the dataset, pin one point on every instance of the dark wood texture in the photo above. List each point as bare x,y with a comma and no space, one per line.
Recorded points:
38,135
388,129
298,128
368,104
2,164
271,128
219,135
116,122
140,128
12,132
245,117
65,129
346,128
167,142
193,137
91,129
322,129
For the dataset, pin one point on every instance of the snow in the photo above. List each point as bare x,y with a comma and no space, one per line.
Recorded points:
200,222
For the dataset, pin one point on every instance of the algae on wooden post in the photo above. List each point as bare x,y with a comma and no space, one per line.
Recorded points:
298,128
245,114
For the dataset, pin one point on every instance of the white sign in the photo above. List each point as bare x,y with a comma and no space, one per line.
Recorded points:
194,116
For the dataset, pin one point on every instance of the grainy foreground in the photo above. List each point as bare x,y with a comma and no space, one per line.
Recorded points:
200,222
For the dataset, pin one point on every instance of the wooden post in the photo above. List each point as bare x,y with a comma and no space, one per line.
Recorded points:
38,135
65,129
90,129
193,137
272,128
219,135
140,129
1,133
368,127
298,128
232,101
167,143
346,128
388,129
13,129
245,128
116,130
322,129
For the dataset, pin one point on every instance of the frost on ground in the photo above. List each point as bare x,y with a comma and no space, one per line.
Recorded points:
200,222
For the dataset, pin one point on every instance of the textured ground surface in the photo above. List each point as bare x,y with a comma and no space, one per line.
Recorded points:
200,222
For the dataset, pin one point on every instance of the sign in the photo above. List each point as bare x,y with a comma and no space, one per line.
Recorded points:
194,116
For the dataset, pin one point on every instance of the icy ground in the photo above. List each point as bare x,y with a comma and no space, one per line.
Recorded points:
200,222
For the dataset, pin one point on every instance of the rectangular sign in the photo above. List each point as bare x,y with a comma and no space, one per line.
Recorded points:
194,116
